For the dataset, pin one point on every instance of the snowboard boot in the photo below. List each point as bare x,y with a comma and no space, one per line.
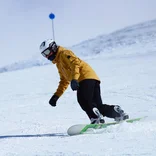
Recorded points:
119,114
99,119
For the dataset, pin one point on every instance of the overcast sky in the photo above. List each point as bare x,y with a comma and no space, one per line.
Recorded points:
25,23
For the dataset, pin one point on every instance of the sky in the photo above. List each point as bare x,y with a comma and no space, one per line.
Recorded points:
25,24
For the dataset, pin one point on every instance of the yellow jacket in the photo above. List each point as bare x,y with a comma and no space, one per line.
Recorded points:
71,67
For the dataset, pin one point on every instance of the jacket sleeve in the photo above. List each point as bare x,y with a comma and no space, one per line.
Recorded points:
74,63
63,84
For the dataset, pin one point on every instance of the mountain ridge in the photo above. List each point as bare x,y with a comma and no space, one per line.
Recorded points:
142,34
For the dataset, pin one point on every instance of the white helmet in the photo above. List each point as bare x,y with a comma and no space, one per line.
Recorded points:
48,48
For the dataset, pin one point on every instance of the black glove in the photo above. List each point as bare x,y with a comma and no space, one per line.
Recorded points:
53,100
74,85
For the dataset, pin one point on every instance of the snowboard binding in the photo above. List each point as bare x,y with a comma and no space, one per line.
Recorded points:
99,119
119,114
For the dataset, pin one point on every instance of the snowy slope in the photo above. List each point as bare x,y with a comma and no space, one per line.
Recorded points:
30,126
143,34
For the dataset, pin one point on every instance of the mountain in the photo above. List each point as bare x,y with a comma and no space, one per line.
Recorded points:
142,35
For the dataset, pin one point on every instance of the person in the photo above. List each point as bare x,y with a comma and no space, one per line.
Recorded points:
83,79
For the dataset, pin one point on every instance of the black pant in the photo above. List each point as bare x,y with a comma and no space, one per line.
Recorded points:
89,96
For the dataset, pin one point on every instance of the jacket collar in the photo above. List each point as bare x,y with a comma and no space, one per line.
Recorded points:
57,55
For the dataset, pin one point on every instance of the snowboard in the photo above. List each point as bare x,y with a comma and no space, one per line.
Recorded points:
84,128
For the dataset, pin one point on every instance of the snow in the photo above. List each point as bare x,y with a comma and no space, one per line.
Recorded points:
30,126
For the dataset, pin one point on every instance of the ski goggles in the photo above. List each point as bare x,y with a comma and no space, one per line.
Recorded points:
46,53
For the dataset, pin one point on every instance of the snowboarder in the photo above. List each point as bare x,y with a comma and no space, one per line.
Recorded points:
83,79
